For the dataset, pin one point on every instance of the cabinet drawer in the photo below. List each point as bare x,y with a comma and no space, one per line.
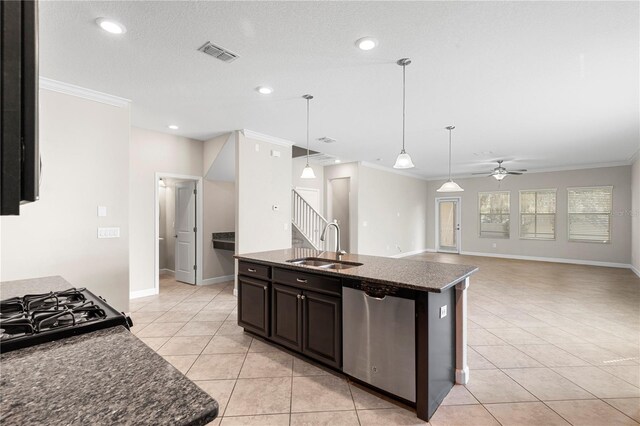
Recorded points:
308,281
254,270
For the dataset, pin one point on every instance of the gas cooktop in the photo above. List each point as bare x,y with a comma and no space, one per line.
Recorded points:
37,318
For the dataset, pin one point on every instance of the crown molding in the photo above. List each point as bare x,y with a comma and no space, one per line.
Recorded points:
548,170
266,138
81,92
392,170
635,156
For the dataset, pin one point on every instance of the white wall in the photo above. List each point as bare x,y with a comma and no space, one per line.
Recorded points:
262,181
297,165
84,146
635,214
392,212
162,234
618,251
152,152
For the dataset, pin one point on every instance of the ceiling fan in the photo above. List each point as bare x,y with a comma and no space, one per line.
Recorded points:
500,172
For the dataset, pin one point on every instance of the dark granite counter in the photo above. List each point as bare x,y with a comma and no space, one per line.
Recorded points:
413,274
224,240
100,378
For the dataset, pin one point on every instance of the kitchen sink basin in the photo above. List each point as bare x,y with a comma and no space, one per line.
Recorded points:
324,263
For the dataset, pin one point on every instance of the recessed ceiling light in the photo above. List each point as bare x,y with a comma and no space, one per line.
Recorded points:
110,26
337,160
366,43
173,127
264,90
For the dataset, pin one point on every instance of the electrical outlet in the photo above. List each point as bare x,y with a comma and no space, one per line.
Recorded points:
275,207
443,311
102,211
275,153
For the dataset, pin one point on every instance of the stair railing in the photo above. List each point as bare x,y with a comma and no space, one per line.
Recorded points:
307,220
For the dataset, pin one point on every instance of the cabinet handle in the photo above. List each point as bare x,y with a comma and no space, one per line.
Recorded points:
303,297
264,288
300,280
251,270
298,296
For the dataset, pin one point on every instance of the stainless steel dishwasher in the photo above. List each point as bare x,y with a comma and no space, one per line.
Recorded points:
378,338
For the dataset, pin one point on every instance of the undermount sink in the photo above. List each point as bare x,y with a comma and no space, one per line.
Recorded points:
324,263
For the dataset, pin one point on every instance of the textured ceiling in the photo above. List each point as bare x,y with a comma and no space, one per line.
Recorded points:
545,84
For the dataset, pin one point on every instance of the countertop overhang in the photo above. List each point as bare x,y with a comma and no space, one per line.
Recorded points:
107,376
417,275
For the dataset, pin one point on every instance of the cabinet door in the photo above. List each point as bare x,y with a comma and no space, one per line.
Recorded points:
286,307
322,328
253,305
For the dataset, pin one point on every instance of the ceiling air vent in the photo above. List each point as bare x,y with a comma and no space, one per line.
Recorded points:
326,139
218,52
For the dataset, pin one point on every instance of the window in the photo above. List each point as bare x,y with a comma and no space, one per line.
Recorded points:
538,214
590,213
494,214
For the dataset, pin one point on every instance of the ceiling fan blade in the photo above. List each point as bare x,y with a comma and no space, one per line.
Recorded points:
482,173
519,170
514,173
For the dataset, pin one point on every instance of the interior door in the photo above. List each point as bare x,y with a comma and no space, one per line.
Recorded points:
185,228
448,225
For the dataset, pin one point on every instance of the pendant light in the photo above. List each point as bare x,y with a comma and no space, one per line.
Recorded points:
307,172
404,160
450,186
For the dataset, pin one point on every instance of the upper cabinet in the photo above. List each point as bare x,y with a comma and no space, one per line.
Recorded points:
19,156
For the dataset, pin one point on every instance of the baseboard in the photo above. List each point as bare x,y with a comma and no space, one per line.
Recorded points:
635,270
217,280
167,271
409,253
143,293
549,259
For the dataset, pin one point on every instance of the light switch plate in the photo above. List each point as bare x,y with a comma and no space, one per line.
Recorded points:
275,153
443,311
108,232
102,211
257,147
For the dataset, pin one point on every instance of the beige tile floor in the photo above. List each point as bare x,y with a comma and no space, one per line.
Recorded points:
549,344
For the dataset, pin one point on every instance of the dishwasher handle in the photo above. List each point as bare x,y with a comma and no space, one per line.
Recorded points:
374,297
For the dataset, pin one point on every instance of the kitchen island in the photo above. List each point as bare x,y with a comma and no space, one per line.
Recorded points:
396,325
103,377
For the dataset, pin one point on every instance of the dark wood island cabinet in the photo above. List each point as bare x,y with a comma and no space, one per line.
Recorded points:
314,311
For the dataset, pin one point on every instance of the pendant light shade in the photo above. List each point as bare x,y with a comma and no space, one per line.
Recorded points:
450,186
404,160
307,172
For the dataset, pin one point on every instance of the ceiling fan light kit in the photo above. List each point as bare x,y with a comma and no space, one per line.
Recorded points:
307,172
500,172
450,185
404,160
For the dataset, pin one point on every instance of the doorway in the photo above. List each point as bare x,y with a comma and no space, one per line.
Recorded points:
178,230
339,210
448,225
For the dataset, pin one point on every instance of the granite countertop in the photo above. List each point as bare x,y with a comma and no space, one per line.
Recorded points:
224,236
101,378
412,274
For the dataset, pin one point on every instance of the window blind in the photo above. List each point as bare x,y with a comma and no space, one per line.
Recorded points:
538,214
494,209
589,213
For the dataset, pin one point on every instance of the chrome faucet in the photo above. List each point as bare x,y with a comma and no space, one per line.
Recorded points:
324,234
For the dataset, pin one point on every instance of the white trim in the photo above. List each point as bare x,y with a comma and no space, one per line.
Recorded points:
462,368
391,170
217,280
635,156
458,201
167,271
549,259
635,270
199,225
143,293
81,92
409,253
266,138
